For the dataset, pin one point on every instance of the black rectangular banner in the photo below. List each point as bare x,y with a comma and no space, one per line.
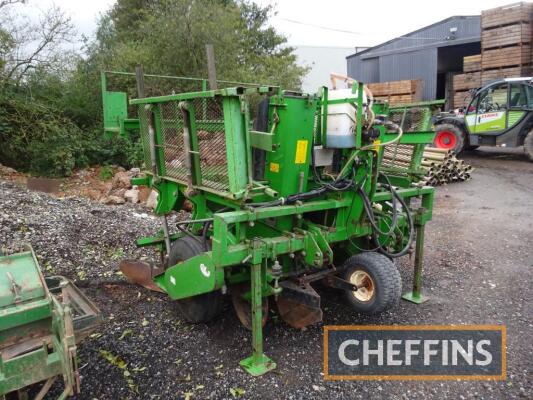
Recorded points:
414,352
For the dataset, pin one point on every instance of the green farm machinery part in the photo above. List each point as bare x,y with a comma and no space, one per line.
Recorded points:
41,320
277,204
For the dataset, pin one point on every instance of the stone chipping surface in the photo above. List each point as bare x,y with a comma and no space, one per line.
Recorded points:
478,270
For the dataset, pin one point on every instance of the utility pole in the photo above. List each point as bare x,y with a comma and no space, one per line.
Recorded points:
211,70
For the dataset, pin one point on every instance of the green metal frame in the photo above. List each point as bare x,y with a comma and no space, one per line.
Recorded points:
28,310
115,103
246,240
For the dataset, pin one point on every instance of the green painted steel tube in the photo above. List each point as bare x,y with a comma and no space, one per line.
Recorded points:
257,313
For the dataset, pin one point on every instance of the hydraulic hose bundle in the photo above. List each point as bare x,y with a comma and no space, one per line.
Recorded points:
377,231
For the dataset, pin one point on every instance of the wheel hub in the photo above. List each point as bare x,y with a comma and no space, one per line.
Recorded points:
365,284
445,140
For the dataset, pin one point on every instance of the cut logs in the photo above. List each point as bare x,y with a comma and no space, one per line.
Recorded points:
441,165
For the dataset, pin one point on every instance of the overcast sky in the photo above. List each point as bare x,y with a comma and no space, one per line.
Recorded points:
366,23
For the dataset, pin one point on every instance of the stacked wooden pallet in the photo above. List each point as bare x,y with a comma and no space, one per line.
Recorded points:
397,92
463,83
470,79
506,39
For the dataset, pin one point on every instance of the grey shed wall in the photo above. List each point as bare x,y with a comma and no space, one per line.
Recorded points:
414,56
419,64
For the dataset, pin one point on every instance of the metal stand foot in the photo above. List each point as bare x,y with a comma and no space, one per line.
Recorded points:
416,298
416,295
258,363
258,367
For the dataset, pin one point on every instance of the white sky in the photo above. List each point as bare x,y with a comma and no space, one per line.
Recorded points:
373,21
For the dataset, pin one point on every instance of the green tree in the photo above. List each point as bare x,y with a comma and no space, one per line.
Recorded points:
169,37
50,100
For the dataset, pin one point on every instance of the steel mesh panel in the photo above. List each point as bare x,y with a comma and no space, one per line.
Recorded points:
212,142
398,156
144,116
208,119
172,130
413,119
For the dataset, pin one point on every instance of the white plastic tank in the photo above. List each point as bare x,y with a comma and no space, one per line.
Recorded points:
341,123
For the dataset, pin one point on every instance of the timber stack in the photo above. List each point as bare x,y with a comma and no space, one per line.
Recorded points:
464,83
397,92
506,39
441,165
506,42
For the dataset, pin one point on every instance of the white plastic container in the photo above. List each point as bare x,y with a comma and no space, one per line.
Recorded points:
340,132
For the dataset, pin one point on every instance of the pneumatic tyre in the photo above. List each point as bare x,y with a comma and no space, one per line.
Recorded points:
450,137
528,145
203,307
380,281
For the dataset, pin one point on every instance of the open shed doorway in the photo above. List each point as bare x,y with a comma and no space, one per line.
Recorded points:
449,63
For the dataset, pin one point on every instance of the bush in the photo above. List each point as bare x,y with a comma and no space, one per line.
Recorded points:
106,173
40,140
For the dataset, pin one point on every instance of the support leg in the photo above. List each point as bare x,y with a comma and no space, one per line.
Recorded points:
416,295
258,363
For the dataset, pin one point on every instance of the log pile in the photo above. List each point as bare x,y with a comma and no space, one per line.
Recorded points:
441,165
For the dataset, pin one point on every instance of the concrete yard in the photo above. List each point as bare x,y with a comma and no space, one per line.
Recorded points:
478,270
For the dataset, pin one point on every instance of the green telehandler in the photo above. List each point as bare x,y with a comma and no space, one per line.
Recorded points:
499,114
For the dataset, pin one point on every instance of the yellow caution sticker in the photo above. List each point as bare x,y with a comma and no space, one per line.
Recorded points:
274,167
301,151
376,144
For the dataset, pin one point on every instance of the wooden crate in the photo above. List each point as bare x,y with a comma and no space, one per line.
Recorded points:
399,99
506,35
514,72
397,92
396,87
506,57
470,80
507,15
472,63
461,99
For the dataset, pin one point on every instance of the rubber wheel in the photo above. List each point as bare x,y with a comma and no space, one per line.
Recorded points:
382,283
449,136
528,145
201,308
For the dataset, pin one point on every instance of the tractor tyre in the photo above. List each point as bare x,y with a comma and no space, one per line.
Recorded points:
451,137
382,283
203,307
528,145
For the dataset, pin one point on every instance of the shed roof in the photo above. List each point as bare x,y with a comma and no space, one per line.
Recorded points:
470,32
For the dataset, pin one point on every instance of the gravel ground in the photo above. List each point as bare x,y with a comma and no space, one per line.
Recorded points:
478,270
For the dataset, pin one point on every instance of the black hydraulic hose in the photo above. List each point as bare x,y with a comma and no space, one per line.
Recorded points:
375,229
206,228
409,216
372,218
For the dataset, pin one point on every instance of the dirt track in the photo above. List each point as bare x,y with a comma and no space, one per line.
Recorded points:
478,270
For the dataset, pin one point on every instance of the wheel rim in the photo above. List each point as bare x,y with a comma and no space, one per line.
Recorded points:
445,140
366,285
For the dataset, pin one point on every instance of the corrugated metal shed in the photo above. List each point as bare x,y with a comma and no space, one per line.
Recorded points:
416,54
